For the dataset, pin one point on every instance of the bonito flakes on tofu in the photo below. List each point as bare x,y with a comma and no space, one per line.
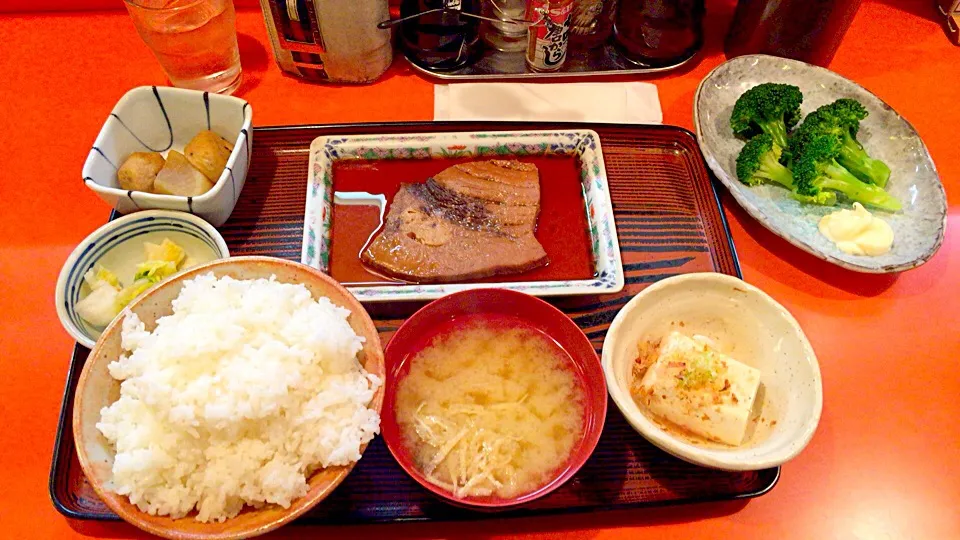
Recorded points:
688,382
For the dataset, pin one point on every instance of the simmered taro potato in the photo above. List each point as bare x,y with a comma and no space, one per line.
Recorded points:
139,171
179,177
209,152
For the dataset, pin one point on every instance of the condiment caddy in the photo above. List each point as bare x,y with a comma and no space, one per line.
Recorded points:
512,39
493,65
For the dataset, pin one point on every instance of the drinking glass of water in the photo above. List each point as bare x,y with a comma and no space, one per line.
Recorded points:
505,35
195,41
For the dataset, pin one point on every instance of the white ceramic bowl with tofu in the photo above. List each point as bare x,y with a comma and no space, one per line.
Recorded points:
747,325
160,119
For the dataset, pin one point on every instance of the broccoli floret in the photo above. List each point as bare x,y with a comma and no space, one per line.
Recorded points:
767,108
798,140
759,163
842,118
816,170
822,198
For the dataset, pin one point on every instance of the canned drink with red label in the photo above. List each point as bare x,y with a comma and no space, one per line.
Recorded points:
547,39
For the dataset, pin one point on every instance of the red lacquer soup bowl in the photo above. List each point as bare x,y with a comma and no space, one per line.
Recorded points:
495,307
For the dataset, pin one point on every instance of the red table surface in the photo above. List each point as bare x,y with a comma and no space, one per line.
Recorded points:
884,462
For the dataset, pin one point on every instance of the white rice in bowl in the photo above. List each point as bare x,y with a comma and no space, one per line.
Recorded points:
236,398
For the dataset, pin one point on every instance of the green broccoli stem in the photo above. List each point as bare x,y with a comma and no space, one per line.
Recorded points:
837,178
776,129
823,198
856,160
771,169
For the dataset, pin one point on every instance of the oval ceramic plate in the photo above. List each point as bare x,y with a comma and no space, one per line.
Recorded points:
918,229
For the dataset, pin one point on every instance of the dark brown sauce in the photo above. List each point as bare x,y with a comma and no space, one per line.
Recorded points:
659,32
562,227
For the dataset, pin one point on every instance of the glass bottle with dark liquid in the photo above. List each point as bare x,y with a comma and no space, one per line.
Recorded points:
443,40
659,32
807,30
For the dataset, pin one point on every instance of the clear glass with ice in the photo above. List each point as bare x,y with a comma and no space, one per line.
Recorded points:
195,41
505,35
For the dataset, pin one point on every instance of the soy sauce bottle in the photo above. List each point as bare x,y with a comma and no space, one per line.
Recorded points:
444,40
659,32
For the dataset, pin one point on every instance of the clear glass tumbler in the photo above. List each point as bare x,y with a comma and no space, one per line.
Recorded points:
505,35
195,41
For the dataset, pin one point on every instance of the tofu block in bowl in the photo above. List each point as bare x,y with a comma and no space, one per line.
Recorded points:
714,371
151,119
699,389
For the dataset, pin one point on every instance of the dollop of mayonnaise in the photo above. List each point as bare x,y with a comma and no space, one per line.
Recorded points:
857,231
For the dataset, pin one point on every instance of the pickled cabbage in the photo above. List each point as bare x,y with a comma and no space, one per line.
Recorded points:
107,297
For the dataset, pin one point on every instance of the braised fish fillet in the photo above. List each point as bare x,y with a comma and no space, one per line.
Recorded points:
470,221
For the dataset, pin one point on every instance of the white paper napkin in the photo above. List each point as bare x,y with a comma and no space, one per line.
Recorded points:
620,103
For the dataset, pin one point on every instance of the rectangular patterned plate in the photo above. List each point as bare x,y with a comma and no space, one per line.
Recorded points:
669,222
583,145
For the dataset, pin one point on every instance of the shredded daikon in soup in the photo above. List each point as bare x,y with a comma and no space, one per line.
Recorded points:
490,411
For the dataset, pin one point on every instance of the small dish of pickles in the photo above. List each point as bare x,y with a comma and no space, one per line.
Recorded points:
124,258
174,149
